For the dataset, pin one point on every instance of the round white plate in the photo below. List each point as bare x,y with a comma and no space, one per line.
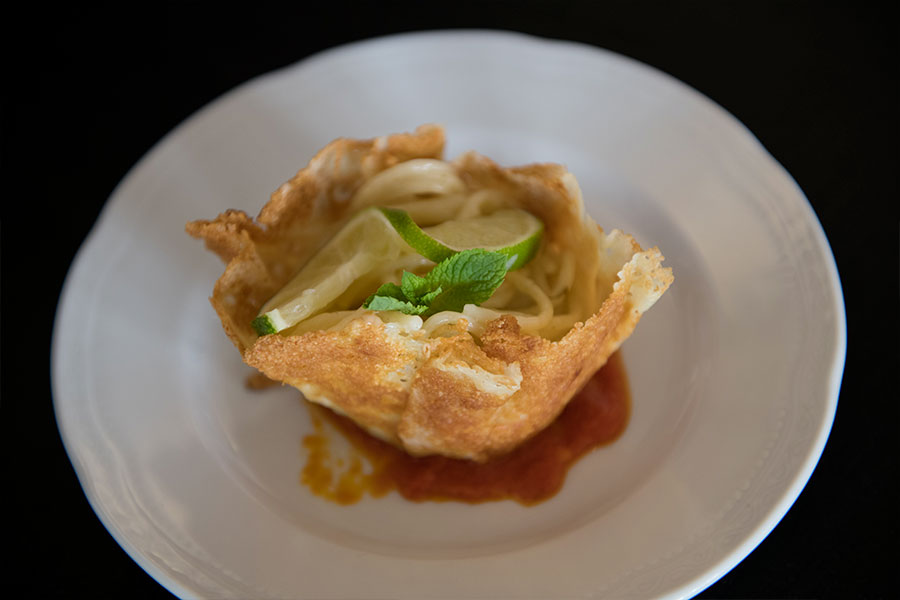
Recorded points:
734,373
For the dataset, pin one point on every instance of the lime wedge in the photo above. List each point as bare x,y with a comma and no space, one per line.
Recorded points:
367,240
378,235
512,232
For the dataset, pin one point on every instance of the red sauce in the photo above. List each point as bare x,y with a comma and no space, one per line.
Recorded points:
532,473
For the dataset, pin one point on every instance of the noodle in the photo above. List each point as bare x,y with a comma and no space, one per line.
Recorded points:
502,297
438,320
565,277
431,211
542,296
479,203
541,305
410,180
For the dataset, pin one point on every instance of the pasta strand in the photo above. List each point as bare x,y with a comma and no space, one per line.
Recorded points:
557,289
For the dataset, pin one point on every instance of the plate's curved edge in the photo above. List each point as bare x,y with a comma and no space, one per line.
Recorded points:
697,584
814,454
60,337
836,371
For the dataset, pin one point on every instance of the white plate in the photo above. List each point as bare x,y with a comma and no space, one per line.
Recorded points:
734,373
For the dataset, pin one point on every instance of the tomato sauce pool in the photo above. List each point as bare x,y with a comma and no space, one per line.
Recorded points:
532,473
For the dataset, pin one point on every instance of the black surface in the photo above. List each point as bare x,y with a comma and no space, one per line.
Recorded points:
89,90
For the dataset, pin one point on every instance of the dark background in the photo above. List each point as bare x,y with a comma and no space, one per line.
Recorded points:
89,90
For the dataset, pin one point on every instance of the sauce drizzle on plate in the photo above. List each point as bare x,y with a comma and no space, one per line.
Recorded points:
532,473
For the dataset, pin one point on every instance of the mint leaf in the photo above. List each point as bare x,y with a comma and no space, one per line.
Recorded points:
390,297
387,303
430,296
391,290
467,277
415,287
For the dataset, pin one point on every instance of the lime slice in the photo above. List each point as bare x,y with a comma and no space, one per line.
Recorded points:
512,232
367,240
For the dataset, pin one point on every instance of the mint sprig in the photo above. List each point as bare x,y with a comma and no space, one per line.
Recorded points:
467,277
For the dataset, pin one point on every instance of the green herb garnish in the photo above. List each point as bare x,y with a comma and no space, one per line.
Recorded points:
467,277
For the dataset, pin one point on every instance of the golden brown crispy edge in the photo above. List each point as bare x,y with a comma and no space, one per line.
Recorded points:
302,214
427,396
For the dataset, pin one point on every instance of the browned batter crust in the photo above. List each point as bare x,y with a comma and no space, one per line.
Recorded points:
457,395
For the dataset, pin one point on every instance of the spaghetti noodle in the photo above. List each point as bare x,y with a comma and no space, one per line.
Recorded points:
542,296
